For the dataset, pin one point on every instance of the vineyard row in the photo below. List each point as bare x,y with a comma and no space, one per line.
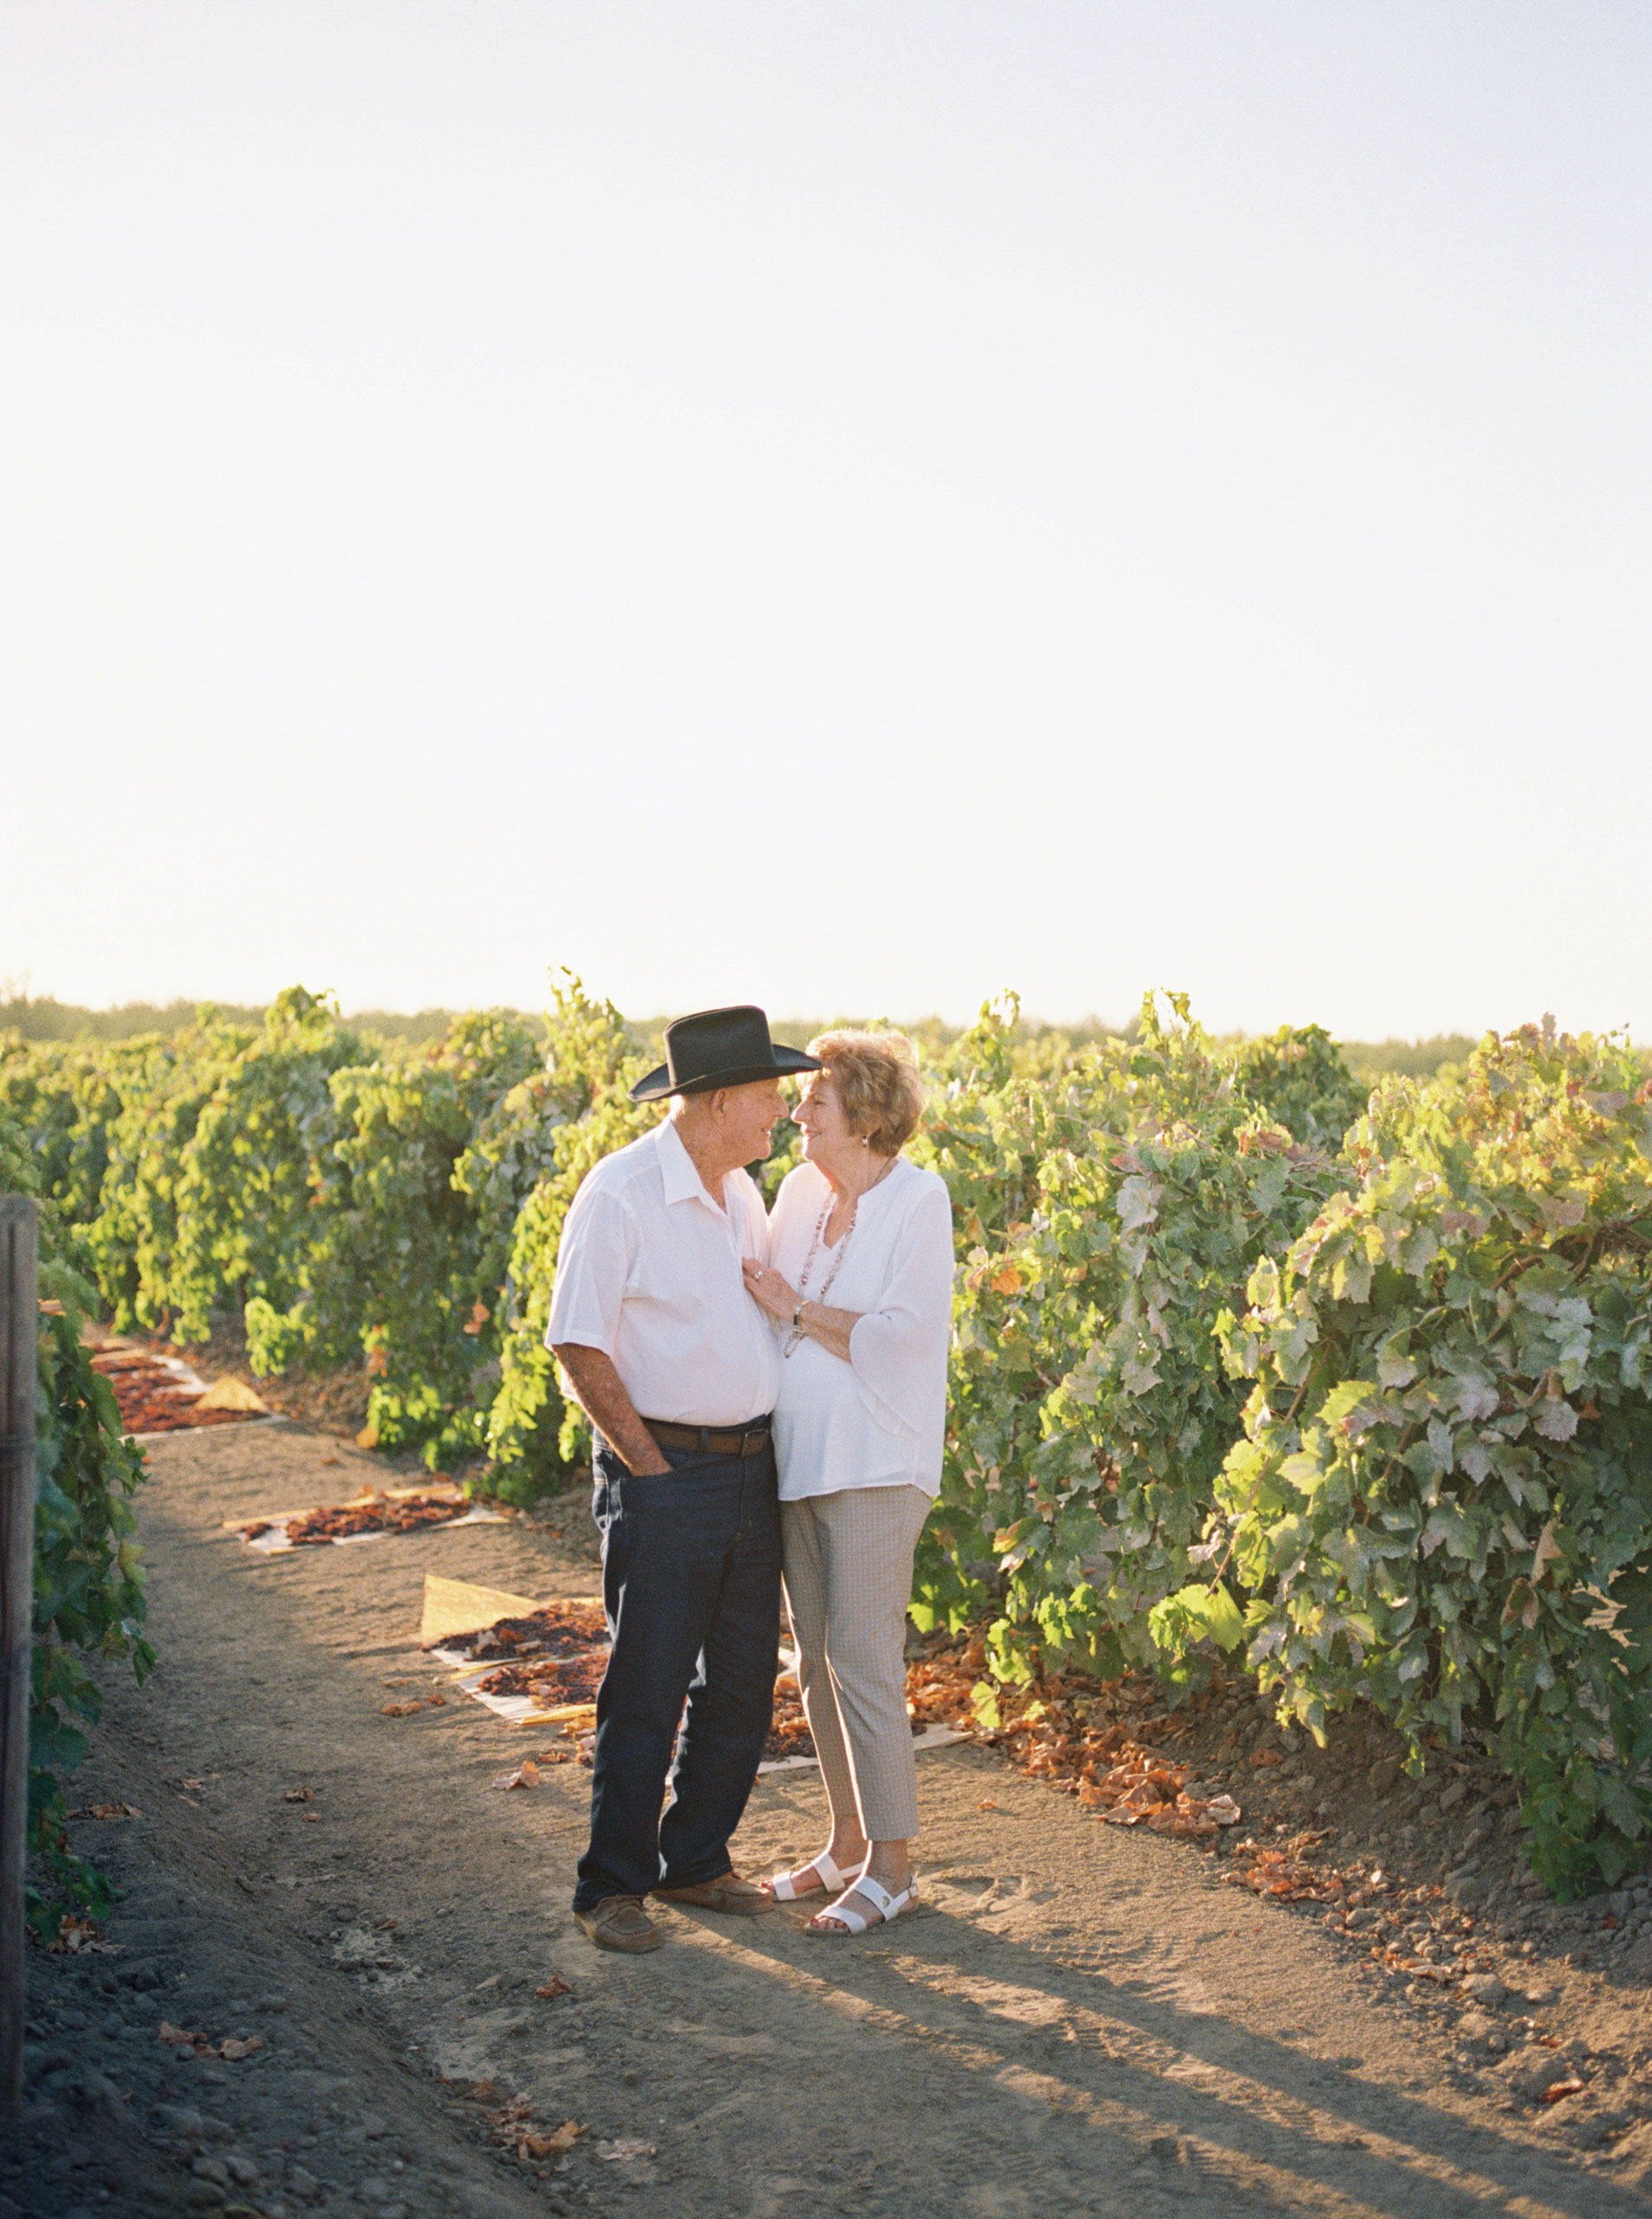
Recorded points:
1357,1388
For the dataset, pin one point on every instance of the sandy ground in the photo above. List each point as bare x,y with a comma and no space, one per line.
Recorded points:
1081,2020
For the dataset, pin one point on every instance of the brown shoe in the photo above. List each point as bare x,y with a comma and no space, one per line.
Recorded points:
621,1922
728,1892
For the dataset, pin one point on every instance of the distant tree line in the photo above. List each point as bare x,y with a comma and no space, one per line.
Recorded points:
42,1016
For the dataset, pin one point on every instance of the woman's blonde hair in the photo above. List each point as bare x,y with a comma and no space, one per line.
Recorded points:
875,1075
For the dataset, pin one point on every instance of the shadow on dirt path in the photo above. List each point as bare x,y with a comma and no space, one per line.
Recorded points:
1079,2021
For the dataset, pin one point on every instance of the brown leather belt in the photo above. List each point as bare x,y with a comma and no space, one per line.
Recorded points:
710,1439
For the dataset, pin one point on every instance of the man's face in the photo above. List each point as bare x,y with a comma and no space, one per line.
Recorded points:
751,1115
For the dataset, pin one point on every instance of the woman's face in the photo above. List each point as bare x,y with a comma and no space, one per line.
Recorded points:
822,1122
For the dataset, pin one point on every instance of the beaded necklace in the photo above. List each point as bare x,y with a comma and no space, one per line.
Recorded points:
798,1335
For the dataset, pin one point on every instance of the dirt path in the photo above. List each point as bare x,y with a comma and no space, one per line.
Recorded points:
1082,2021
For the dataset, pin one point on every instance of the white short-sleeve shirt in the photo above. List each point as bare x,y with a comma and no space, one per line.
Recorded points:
648,1269
879,1420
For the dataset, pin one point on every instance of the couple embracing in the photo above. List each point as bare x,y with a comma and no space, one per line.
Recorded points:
768,1396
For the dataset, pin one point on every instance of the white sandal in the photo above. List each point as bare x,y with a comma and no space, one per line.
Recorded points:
784,1889
888,1907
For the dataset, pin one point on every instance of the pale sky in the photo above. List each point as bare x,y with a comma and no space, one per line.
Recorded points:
850,507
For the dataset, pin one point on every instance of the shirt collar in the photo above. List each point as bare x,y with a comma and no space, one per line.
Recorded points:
681,1182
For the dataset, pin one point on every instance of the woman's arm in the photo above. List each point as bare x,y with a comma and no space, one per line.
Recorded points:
776,1294
831,1328
899,1349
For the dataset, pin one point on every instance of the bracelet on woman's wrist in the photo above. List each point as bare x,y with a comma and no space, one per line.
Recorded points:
798,1319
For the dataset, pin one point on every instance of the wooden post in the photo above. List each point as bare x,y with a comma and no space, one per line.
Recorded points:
19,1370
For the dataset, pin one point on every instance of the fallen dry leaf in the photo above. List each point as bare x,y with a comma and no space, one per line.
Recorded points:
525,1775
77,1936
299,1795
1283,1873
1561,2089
515,2126
231,2051
399,1709
1092,1738
107,1811
633,2148
1104,1741
554,1987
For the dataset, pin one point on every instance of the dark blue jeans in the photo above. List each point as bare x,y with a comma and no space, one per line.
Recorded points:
691,1581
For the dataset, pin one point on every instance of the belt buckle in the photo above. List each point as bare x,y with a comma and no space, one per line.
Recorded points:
751,1439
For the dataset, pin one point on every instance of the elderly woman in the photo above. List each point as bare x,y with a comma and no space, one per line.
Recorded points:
859,1283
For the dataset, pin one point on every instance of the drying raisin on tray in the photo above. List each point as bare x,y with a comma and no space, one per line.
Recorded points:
572,1679
788,1735
374,1514
559,1629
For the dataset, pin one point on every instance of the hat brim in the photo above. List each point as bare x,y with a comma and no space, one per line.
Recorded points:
657,1085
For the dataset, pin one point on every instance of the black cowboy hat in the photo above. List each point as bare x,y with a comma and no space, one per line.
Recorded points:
719,1047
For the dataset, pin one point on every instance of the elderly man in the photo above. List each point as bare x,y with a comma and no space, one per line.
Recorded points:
677,1369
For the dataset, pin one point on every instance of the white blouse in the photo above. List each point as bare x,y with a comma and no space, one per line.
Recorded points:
879,1420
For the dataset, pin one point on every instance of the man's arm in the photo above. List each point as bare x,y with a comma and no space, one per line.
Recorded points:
600,1394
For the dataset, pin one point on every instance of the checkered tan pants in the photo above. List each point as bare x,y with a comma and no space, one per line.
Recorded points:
849,1581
